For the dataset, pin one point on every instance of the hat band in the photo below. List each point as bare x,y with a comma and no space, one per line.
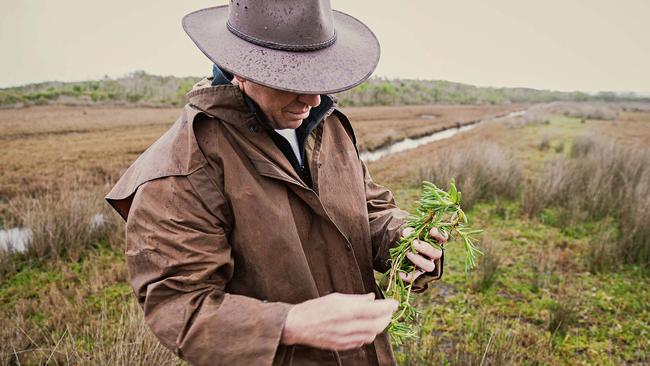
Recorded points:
281,46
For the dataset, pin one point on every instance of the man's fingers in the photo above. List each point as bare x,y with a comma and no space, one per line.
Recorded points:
364,327
406,231
374,309
410,277
427,250
421,262
355,297
438,236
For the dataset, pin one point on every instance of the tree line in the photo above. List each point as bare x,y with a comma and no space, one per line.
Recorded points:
141,88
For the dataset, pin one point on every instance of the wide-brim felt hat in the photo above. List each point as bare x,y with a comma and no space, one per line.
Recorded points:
301,46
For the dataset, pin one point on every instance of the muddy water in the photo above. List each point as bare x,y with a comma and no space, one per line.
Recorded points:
408,143
15,239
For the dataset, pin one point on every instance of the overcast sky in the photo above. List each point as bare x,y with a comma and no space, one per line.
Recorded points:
587,45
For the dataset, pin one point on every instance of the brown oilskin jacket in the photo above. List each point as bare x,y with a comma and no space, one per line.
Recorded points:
222,236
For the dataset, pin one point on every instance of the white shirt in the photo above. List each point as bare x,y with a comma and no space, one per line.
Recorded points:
290,135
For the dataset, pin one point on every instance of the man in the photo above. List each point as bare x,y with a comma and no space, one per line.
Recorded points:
253,228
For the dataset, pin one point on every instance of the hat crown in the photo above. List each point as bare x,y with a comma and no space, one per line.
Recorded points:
292,25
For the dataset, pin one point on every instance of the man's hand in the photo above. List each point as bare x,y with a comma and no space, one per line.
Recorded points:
425,256
337,321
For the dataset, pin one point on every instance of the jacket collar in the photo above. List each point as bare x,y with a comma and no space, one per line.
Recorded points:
229,104
224,101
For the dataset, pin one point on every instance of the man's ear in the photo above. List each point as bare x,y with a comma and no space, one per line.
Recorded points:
238,79
240,82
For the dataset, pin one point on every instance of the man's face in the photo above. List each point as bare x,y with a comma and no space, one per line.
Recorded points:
282,109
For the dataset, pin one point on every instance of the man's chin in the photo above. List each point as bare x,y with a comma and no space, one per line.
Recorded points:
293,124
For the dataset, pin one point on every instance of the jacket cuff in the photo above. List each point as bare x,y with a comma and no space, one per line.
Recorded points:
392,228
241,331
422,283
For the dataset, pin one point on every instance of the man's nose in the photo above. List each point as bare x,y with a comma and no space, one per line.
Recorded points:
311,100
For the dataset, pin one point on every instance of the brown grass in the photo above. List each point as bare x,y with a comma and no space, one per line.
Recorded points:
631,128
484,171
600,179
487,341
111,339
542,113
488,267
79,310
562,316
63,223
43,145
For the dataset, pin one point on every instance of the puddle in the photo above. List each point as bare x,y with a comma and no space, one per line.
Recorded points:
409,143
17,239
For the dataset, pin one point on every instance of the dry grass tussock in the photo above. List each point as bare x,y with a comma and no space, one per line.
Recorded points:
59,225
483,171
63,222
542,113
600,179
122,339
598,111
487,340
488,268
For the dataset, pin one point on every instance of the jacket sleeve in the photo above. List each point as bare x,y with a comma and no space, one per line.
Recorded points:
386,220
179,262
386,224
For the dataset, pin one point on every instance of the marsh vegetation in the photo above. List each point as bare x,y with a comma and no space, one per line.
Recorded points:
564,278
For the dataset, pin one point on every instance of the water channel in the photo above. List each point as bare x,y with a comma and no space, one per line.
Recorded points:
409,143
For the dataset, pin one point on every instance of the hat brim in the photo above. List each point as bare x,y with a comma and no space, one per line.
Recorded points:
341,66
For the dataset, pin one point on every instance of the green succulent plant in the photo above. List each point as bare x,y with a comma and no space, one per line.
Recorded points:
438,209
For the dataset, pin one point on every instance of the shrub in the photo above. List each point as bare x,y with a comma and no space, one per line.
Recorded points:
600,179
545,144
482,171
542,269
63,223
562,315
586,111
7,98
488,267
134,97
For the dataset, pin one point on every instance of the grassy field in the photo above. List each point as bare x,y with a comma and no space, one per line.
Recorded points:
557,286
550,290
94,145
